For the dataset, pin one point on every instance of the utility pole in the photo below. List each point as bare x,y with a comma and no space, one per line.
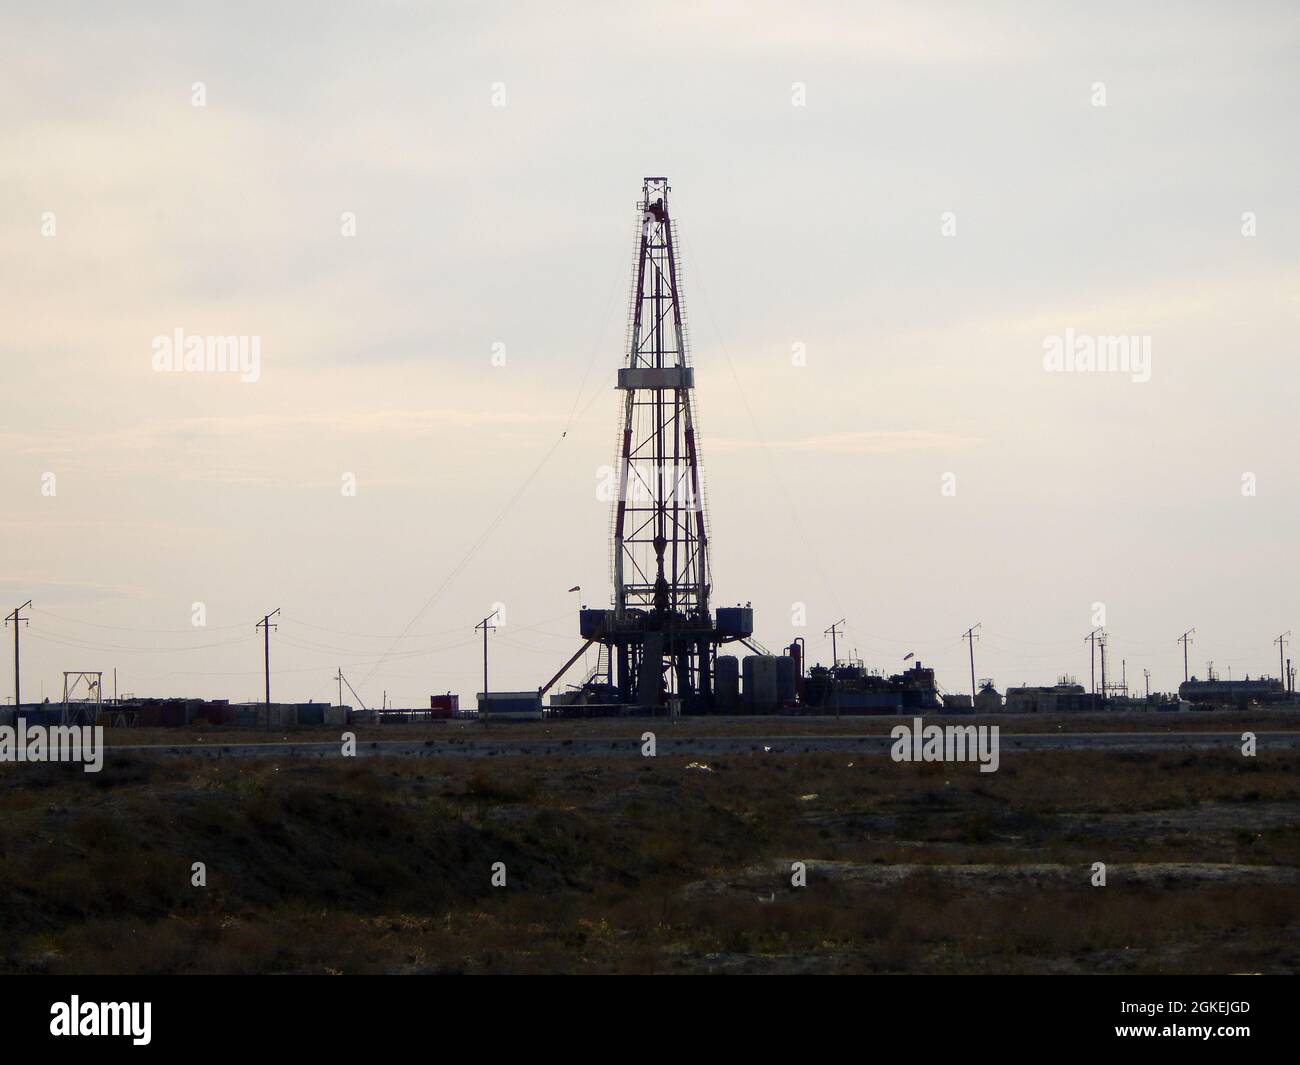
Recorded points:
344,680
832,632
485,625
1101,641
970,637
835,661
1281,642
16,617
266,627
1091,638
1183,639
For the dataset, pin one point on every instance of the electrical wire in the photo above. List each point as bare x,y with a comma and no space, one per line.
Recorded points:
127,628
45,635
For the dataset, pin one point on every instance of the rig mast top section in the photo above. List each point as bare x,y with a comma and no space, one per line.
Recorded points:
661,541
659,641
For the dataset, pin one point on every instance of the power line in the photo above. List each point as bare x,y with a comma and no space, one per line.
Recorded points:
792,512
289,618
474,549
127,628
368,657
63,638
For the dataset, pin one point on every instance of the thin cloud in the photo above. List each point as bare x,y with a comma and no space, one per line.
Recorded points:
868,442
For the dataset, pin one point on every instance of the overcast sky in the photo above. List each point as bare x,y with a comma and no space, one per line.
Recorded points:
916,197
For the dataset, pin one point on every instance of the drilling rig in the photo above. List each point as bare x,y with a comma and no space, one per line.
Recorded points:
659,640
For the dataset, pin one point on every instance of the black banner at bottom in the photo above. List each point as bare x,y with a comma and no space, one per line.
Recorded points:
340,1014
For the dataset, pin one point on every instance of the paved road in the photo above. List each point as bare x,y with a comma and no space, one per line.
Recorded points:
705,746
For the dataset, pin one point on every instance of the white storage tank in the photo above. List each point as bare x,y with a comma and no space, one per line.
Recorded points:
760,694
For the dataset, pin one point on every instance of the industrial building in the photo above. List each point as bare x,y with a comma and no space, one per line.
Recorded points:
988,700
1239,693
850,688
1062,697
167,713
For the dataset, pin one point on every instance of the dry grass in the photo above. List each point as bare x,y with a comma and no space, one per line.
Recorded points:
631,865
626,729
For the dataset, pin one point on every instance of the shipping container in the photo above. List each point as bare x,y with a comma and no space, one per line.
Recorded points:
311,713
172,713
526,704
735,621
210,714
277,716
444,705
41,715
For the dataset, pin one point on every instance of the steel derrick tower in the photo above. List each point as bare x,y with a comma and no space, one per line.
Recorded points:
660,640
661,542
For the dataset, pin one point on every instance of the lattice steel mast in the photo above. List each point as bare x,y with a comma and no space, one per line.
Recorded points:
661,544
659,641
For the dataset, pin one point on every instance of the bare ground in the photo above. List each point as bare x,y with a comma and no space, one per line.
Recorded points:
644,865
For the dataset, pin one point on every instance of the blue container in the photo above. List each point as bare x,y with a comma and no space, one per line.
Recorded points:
311,713
735,621
42,715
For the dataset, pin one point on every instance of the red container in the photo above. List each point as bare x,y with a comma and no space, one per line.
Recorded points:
173,714
149,717
212,714
443,705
